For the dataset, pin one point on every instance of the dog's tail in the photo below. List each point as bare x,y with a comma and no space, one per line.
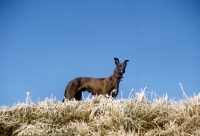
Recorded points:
63,100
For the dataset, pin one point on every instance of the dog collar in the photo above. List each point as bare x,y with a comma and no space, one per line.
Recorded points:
117,75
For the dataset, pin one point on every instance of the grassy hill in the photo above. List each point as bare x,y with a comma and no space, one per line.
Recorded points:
101,116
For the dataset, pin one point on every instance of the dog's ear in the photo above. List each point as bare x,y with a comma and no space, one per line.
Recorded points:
116,60
126,61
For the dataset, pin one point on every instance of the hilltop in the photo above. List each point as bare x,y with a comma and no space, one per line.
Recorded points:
103,116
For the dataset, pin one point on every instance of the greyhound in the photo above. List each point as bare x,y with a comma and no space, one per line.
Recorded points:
96,86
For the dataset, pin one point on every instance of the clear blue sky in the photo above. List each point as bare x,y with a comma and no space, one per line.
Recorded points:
45,44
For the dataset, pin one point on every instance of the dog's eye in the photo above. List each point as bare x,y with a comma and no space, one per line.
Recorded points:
120,65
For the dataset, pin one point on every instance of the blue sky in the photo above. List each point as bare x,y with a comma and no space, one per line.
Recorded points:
45,44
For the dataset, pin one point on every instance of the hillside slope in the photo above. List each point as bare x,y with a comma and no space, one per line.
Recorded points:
103,116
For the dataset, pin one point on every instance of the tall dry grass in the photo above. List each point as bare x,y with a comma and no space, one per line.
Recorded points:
101,116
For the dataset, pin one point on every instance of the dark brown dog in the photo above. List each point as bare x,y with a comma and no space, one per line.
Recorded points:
96,86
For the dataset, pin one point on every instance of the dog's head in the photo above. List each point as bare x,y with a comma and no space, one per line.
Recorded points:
120,67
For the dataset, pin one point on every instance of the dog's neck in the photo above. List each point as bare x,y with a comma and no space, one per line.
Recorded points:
117,75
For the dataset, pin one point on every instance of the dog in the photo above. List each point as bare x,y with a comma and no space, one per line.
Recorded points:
96,86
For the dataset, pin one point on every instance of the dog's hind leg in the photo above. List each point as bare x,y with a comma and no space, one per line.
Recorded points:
78,95
71,90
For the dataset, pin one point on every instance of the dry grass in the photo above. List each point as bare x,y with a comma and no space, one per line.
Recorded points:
101,116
